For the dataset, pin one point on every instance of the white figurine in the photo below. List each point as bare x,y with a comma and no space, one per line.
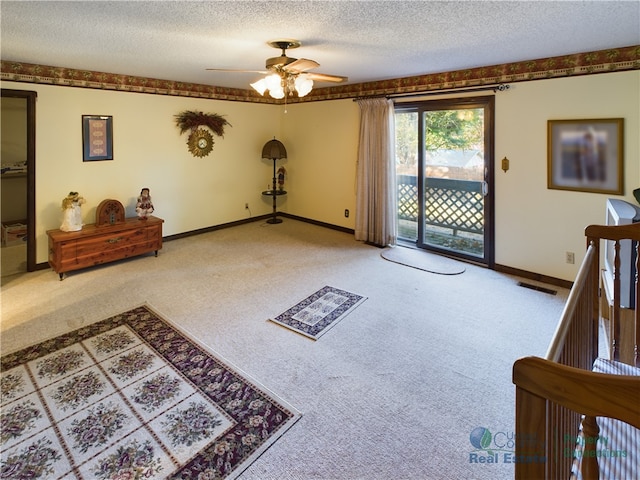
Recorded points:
144,206
72,221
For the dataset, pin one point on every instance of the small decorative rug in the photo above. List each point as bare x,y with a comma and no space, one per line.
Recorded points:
131,397
316,314
423,260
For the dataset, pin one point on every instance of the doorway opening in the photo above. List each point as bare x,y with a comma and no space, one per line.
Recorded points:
18,181
444,170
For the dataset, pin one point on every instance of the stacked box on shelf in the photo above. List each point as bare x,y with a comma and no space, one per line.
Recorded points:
13,234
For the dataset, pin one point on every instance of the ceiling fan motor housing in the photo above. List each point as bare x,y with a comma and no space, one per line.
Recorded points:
274,62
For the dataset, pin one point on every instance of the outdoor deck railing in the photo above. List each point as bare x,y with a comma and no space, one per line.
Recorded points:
454,204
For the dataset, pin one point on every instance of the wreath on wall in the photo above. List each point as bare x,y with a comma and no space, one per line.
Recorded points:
200,141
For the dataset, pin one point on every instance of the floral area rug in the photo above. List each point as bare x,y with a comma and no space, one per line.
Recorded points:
131,397
317,313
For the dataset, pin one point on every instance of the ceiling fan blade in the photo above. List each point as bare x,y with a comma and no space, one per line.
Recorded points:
323,77
234,70
301,65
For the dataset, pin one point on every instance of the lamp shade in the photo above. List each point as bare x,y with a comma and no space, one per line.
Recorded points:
274,149
260,86
303,84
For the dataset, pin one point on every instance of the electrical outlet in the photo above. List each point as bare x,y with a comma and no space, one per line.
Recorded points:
346,213
571,258
246,205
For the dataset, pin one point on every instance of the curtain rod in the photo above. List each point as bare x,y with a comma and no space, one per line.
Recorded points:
501,87
366,97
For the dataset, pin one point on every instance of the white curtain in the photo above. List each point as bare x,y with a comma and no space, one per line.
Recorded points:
376,211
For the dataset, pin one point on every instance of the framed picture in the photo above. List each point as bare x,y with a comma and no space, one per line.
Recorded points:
97,137
585,155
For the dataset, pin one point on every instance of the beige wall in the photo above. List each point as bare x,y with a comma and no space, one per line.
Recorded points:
534,226
323,137
189,193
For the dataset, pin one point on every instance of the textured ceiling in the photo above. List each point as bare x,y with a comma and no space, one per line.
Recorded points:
364,40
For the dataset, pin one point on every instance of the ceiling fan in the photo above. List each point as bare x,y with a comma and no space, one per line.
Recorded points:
287,75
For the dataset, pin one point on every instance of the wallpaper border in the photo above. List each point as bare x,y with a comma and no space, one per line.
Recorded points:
589,63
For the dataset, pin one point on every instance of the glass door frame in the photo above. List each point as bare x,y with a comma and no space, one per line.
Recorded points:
488,104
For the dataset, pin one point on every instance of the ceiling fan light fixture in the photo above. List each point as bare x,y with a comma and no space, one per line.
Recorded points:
273,82
288,75
260,86
277,93
303,84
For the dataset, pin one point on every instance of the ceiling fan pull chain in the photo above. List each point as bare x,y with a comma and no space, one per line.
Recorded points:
285,101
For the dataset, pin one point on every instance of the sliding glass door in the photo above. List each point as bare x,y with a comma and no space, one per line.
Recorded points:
444,167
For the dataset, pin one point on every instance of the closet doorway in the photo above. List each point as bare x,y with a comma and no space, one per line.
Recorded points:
18,181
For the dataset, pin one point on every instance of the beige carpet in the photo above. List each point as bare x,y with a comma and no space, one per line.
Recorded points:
423,260
13,259
392,391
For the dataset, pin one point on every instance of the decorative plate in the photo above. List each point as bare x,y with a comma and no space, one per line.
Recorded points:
200,142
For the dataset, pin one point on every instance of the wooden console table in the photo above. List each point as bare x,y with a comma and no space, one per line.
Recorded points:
95,245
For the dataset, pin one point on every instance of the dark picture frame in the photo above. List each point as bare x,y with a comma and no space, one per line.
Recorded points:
586,155
97,137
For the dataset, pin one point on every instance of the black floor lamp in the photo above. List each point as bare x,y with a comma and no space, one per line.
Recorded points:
274,149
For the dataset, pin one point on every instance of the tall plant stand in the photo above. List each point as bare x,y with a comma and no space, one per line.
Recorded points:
274,193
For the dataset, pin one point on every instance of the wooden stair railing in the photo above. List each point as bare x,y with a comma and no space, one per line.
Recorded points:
594,234
549,406
540,382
